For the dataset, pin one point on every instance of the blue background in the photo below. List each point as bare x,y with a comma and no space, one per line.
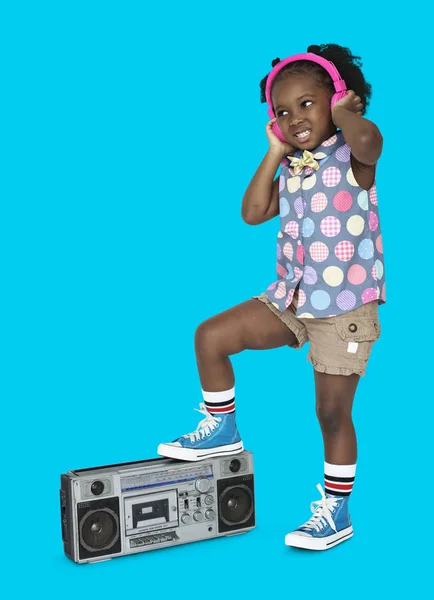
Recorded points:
117,116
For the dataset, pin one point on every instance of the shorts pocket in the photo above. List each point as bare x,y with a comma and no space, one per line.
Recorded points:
358,329
357,335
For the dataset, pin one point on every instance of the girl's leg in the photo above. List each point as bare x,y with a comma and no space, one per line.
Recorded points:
334,403
331,523
247,326
250,325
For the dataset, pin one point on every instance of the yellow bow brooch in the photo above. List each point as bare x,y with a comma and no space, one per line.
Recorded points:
307,160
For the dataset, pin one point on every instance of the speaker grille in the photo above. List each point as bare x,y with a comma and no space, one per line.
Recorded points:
98,528
236,504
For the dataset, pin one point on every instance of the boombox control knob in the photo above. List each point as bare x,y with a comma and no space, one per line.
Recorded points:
186,519
97,488
210,513
202,485
235,465
209,500
198,517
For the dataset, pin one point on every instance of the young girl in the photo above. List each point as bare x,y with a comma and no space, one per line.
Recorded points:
330,274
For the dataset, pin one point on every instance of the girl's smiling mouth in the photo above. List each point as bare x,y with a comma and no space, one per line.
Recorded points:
304,135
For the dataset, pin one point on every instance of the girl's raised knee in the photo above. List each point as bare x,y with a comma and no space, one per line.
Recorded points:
207,336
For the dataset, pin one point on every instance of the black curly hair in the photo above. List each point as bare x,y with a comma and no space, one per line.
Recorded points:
348,65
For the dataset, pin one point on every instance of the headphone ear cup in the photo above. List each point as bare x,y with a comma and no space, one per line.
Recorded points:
276,130
338,96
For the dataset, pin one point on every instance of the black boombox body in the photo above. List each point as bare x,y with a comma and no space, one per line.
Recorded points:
133,507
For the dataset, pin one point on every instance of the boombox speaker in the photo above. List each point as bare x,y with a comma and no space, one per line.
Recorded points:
127,508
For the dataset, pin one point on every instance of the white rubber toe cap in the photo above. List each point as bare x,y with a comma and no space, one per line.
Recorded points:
292,537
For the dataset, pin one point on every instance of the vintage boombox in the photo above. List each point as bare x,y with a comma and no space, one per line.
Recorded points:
132,507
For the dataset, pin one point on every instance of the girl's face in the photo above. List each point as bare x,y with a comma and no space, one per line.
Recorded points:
301,106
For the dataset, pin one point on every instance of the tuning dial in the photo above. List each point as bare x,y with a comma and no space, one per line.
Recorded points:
202,485
186,519
210,513
198,517
209,500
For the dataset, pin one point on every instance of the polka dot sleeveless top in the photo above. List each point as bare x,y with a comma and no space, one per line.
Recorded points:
329,243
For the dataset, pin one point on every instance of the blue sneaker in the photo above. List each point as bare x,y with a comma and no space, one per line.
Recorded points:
330,524
216,435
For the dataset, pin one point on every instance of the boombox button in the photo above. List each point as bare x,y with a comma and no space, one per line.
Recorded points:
186,519
202,485
198,517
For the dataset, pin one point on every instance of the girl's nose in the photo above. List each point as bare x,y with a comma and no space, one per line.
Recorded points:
295,120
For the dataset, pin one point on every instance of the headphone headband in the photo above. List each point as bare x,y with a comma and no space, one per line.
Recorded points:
338,82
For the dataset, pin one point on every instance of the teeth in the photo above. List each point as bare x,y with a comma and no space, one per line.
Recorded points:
303,134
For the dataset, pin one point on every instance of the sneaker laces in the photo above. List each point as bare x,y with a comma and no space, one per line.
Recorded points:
205,426
322,513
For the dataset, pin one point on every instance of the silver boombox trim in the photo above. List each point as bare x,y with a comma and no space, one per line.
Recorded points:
127,508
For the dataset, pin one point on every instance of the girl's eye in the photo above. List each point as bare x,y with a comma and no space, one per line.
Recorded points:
280,112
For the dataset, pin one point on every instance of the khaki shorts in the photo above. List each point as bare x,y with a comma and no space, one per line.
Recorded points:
338,345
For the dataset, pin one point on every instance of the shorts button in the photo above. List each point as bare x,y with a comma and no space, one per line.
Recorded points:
352,327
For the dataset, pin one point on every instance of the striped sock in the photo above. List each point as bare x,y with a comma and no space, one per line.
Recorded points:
220,403
339,479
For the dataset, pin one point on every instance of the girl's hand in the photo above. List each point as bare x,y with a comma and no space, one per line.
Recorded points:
276,145
351,102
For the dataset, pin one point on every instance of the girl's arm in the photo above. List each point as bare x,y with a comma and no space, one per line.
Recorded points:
261,199
362,135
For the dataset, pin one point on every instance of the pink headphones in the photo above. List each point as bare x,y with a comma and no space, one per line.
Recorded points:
338,82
